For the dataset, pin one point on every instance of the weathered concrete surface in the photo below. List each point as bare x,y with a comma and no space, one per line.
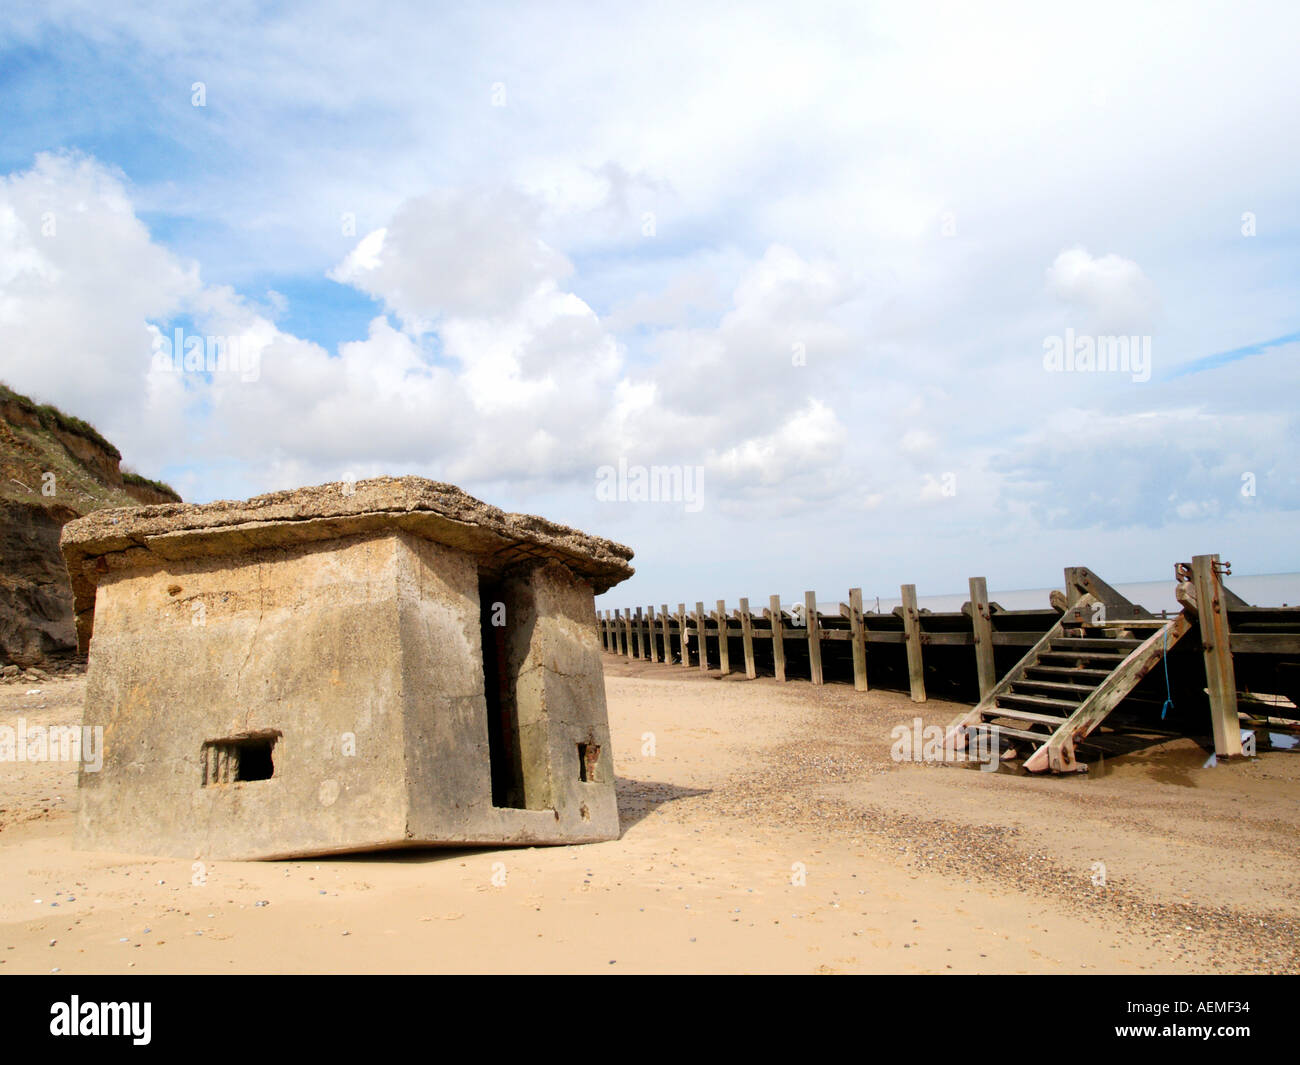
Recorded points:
357,645
559,690
110,539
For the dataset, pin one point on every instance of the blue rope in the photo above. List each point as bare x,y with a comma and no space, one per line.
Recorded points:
1169,695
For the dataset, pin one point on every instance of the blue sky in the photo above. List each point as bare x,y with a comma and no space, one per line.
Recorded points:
817,255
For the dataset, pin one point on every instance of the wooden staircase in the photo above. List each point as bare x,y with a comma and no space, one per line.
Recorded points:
1070,680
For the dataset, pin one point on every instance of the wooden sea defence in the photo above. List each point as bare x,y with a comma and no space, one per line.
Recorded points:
1047,678
800,642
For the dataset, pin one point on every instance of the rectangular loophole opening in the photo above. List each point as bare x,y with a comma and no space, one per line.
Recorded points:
239,759
588,756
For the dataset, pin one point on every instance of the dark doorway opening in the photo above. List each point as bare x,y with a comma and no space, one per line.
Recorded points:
498,692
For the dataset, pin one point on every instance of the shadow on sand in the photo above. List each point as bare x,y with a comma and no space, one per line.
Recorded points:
637,800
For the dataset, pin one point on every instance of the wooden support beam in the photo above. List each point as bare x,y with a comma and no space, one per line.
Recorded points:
982,624
724,651
778,636
638,647
1270,643
857,627
681,635
701,633
650,632
604,629
747,638
1217,646
912,634
812,620
664,624
1080,579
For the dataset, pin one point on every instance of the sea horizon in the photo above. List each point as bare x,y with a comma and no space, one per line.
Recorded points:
1258,589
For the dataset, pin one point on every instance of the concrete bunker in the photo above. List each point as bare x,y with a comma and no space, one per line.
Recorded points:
340,668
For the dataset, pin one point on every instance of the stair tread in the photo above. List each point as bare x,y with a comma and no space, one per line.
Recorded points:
1084,656
1046,702
1026,715
1069,671
1053,686
1096,643
1094,636
1037,737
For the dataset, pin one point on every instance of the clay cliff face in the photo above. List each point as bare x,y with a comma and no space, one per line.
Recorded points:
35,597
53,468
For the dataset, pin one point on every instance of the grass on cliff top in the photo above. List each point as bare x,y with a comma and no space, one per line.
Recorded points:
79,486
131,477
53,418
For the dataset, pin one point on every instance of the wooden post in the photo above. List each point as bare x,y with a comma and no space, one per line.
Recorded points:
604,629
724,651
857,630
813,622
1215,642
778,637
982,624
650,632
681,634
912,633
701,632
639,648
666,627
747,638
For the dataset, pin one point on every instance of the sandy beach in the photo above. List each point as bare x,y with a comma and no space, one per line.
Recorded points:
765,828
